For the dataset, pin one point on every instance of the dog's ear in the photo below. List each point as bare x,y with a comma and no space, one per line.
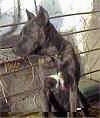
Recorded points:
29,15
43,16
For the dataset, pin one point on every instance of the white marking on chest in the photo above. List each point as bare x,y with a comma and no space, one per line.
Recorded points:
59,79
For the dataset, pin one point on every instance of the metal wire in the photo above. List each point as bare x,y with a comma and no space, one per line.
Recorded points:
81,13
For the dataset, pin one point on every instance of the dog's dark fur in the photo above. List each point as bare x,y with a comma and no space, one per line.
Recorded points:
39,37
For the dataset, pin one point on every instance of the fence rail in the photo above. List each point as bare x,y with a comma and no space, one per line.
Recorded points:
18,59
30,66
81,13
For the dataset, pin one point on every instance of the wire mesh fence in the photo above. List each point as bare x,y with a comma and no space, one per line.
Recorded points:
86,39
80,37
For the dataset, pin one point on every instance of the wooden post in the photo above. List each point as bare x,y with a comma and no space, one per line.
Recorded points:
73,98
